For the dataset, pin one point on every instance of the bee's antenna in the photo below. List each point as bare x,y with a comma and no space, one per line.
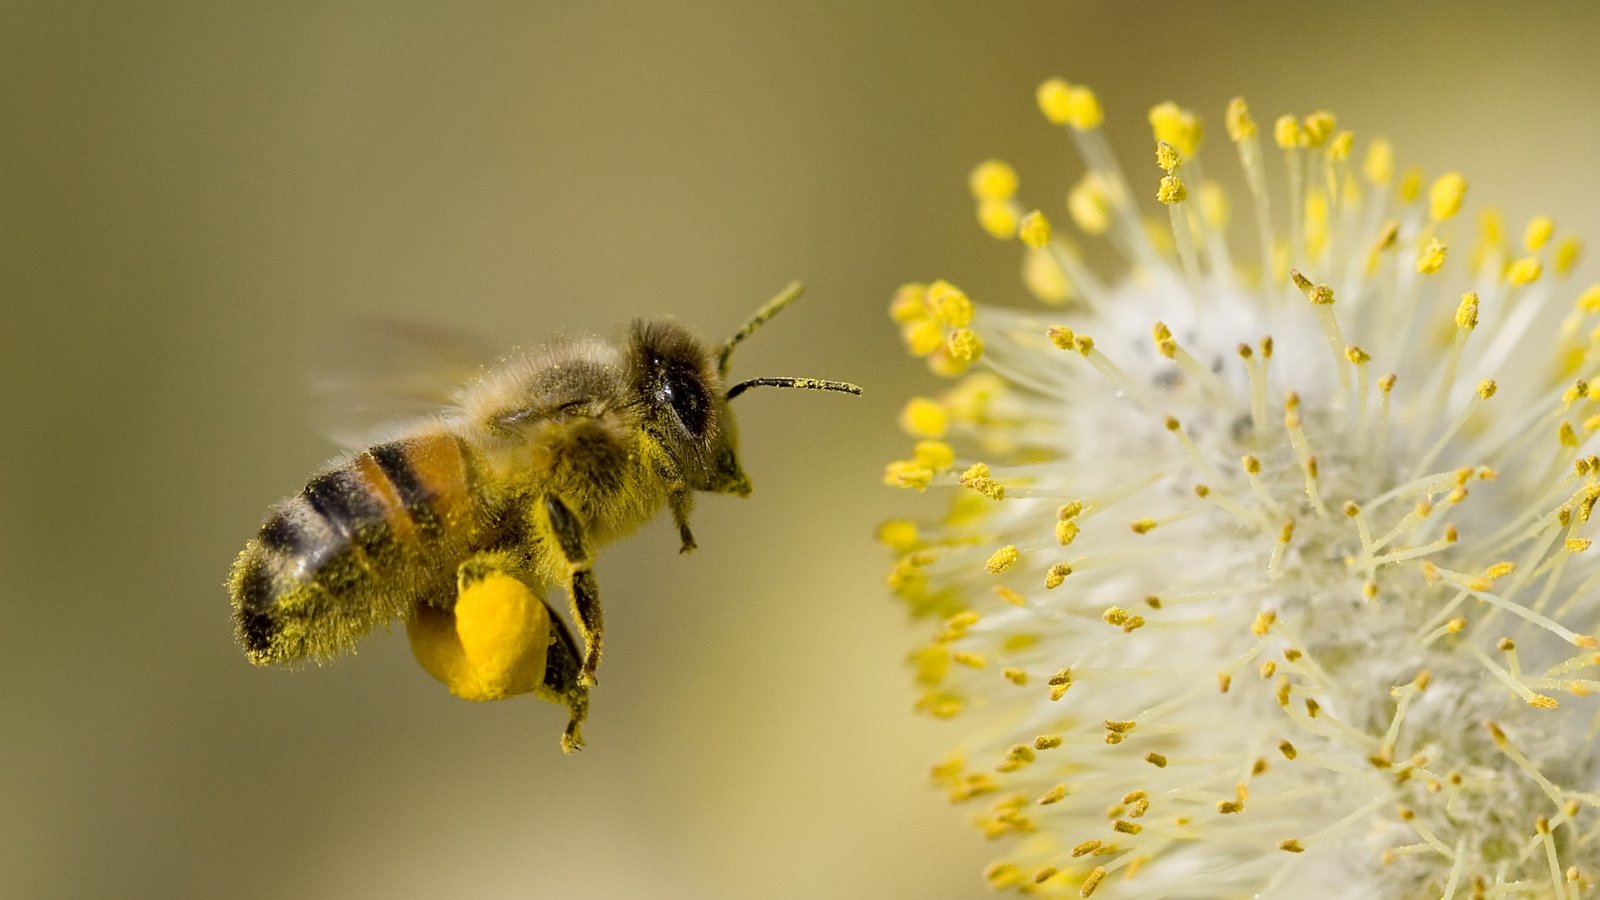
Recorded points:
809,384
767,311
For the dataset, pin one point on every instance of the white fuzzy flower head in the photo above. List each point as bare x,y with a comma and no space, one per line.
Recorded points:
1271,578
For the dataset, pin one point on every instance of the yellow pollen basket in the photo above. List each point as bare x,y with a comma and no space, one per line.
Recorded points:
491,647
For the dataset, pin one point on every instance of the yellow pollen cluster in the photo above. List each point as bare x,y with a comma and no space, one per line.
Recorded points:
1173,546
933,320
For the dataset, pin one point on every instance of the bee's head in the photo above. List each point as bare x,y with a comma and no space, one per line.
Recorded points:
686,407
681,382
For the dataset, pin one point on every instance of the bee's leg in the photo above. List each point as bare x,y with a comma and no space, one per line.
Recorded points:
681,502
581,583
561,682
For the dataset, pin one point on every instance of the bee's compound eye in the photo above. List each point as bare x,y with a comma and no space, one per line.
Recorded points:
683,390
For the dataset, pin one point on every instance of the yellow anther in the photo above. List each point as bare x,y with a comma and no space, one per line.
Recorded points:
948,304
1288,750
1495,733
1340,147
1069,510
1176,126
1142,526
1089,205
1224,681
998,219
1288,133
1378,166
922,337
1568,249
1240,125
1056,574
924,418
1125,827
976,477
1567,436
1263,623
1120,726
1444,197
969,659
1499,570
1467,312
993,179
1010,596
965,346
1034,230
1092,881
1251,463
1291,846
899,535
1066,532
1387,237
1171,190
1487,387
907,474
1410,184
1002,559
909,303
1065,104
1524,271
1589,300
1538,233
1047,742
1156,759
1167,157
1085,848
1054,98
1430,258
1318,127
1577,545
1002,875
936,455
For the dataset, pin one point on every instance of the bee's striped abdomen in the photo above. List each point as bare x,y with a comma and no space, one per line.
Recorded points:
353,549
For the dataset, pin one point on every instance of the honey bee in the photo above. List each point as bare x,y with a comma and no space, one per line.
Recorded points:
457,525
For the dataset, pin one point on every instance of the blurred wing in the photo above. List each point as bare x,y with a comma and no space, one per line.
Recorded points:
397,372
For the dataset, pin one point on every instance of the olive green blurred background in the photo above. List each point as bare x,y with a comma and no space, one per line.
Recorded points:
197,199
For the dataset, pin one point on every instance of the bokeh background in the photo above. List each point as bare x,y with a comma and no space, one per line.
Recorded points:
197,200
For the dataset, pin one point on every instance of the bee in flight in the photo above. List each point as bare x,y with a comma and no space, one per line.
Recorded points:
458,525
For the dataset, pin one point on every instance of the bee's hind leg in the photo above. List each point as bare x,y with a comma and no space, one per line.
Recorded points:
498,638
562,684
581,584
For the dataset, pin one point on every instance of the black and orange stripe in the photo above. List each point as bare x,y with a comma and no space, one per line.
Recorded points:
342,556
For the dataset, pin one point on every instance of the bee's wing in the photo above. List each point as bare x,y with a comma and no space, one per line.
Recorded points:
398,372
